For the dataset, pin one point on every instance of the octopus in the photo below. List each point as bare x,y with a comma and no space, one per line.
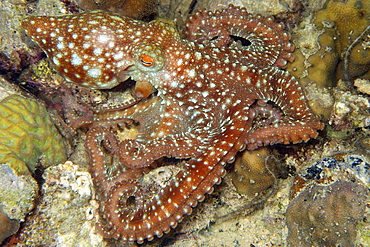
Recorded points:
202,99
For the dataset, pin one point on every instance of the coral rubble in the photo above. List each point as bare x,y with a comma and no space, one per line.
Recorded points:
66,215
17,194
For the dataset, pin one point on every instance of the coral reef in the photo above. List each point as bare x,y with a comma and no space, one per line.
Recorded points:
357,56
332,44
11,31
28,139
201,112
326,215
207,113
13,46
67,207
334,180
356,167
343,23
350,111
180,9
320,100
362,85
18,193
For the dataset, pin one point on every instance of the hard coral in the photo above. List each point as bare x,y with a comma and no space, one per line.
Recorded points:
326,215
28,135
340,29
349,19
357,57
251,174
332,44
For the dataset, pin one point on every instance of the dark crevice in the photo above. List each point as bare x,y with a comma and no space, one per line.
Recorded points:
243,41
192,7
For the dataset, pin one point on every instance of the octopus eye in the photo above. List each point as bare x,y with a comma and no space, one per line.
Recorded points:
146,60
149,58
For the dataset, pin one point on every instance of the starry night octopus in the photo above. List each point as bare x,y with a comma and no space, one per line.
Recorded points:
211,101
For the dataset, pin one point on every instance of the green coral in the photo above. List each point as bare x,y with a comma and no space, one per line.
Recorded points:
28,135
364,232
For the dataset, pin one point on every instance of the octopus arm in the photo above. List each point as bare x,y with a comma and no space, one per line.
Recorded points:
298,123
100,143
137,154
235,29
157,215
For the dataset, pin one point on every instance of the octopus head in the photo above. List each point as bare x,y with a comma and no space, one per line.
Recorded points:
99,50
91,49
155,54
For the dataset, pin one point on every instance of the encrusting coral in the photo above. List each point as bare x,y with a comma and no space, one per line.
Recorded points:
349,20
